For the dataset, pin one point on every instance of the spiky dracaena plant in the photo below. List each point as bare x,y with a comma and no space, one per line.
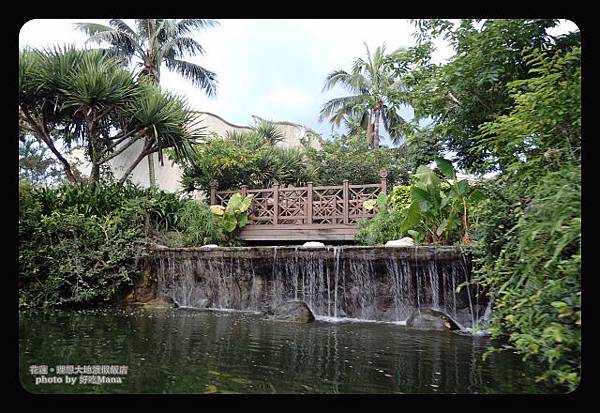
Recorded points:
152,43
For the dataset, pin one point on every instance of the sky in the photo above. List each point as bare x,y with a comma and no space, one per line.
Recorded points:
274,69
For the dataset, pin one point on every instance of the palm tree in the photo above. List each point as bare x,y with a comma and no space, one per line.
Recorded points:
374,95
71,95
154,42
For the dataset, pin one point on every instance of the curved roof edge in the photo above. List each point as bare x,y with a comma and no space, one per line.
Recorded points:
254,116
223,120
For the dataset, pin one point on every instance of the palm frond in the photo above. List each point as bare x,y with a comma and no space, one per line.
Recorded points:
198,75
337,107
187,26
122,42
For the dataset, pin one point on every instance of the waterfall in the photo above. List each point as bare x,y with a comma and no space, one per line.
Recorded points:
368,283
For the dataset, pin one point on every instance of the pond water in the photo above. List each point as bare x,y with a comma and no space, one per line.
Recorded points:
192,351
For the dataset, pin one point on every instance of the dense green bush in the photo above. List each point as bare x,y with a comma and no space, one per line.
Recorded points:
387,224
199,226
253,159
66,257
400,198
246,158
349,157
536,276
79,244
528,231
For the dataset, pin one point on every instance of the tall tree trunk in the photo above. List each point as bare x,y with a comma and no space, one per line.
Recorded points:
376,129
370,134
152,74
151,170
93,149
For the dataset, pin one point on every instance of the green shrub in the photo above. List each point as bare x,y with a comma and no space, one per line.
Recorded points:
537,276
400,198
200,227
80,244
69,258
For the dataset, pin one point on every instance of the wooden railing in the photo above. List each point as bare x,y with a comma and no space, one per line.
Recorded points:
313,206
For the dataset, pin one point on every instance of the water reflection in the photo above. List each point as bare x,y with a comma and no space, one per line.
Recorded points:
189,351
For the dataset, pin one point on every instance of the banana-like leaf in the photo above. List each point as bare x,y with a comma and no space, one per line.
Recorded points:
246,202
476,196
422,198
412,218
462,186
234,203
229,222
445,166
242,220
426,176
440,230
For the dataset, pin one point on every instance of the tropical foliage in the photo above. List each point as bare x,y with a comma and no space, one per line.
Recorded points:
374,96
529,228
434,209
69,96
249,158
349,157
152,43
460,95
235,214
440,208
80,244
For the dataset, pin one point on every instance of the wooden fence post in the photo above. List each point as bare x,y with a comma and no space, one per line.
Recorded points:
346,200
275,204
309,204
244,191
213,192
383,176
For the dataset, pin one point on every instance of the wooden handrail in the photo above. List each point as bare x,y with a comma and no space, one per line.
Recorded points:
310,205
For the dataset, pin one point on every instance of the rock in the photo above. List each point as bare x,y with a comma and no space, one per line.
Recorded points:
313,244
162,301
402,242
145,288
428,320
296,311
210,246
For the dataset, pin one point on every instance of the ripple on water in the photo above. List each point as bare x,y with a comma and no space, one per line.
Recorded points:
176,350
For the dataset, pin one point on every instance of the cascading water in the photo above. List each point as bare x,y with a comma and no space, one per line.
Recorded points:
351,282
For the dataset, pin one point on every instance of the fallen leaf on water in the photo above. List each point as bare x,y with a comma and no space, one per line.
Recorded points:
211,388
388,375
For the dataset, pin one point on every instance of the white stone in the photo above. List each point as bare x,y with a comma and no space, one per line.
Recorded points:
313,244
210,246
402,242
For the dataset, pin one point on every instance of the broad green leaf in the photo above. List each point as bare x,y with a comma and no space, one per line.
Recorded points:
426,176
229,222
445,166
245,204
476,196
462,186
412,218
422,198
234,203
442,227
242,220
